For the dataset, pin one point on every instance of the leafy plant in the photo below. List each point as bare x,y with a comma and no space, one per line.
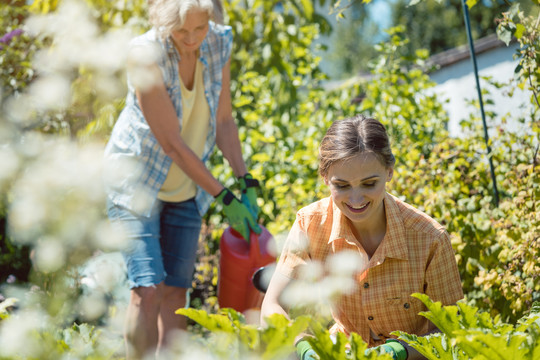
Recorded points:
54,202
470,334
243,340
525,29
276,340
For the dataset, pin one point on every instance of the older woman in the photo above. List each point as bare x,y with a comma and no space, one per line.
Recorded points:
165,133
397,249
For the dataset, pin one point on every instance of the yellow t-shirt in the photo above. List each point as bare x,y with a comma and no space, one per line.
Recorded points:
195,120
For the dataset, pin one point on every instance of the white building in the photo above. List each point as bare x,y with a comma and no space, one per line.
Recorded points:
456,82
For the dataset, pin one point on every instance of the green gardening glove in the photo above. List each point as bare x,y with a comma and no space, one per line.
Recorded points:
240,218
391,347
249,187
305,351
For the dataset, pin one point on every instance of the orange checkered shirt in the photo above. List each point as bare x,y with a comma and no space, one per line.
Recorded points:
414,256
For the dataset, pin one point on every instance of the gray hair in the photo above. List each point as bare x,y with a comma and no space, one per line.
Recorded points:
167,15
349,137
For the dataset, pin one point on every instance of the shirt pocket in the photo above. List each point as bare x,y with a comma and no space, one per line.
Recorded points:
403,312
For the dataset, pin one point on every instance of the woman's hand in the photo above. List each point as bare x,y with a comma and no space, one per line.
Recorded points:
249,186
240,217
305,351
391,347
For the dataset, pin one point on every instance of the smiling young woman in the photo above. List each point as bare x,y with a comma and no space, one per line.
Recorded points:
358,187
398,249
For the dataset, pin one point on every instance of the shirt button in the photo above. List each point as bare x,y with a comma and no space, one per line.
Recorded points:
370,318
406,305
366,285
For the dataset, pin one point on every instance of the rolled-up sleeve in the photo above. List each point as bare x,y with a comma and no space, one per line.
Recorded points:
442,278
295,251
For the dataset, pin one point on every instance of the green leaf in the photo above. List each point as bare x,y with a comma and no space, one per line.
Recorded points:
323,344
433,347
308,8
493,346
504,33
280,334
445,318
520,29
514,10
212,322
242,101
358,346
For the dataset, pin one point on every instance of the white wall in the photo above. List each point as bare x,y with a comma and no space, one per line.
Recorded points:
457,83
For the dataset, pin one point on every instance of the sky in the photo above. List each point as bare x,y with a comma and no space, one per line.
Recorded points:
379,10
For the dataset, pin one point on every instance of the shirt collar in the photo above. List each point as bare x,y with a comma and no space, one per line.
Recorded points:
340,226
394,244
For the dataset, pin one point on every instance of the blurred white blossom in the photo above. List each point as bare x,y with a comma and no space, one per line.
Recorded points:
347,263
319,283
60,195
92,306
50,92
279,240
107,236
56,193
143,73
311,271
104,273
19,109
297,240
17,338
77,41
49,255
10,163
108,86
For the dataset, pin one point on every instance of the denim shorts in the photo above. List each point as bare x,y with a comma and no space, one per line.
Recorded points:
161,247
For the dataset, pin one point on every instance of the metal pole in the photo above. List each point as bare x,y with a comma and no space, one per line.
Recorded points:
475,66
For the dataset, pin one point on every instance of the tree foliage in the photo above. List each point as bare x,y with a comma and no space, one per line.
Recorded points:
446,29
351,44
54,204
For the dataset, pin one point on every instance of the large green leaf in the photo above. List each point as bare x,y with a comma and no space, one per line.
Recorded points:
212,322
491,346
433,347
280,334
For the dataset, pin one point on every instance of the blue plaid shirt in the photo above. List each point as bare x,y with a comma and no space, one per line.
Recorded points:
135,164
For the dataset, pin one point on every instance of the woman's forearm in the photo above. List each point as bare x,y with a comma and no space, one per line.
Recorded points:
190,163
227,132
160,115
228,142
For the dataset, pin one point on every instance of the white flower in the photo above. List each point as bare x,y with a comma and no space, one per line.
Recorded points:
49,92
49,255
16,334
347,263
10,163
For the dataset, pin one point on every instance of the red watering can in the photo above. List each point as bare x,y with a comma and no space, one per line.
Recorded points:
238,262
